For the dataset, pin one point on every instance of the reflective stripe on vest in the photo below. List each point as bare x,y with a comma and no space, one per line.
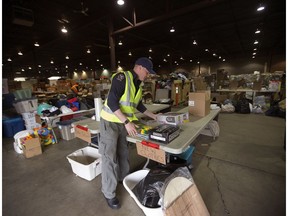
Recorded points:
128,101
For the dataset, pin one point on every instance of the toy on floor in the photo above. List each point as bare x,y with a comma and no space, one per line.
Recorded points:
45,134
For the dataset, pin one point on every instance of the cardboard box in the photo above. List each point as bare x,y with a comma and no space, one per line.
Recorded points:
83,133
257,85
199,103
31,147
199,83
221,98
151,151
233,84
189,203
173,118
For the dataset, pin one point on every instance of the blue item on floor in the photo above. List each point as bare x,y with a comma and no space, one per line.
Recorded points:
11,126
185,157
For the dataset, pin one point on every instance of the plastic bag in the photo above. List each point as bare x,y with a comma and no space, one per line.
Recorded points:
65,109
147,190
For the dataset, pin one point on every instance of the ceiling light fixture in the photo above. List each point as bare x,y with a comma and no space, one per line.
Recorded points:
224,60
120,2
64,30
20,53
150,57
256,42
39,66
254,53
253,56
9,59
168,54
29,68
164,60
88,51
206,50
150,50
36,44
130,54
260,8
255,49
194,42
191,60
172,29
181,58
67,57
257,31
120,43
220,57
52,62
214,54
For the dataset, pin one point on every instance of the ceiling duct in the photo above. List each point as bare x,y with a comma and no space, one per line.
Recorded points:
22,16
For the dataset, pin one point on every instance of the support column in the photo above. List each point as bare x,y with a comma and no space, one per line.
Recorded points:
111,45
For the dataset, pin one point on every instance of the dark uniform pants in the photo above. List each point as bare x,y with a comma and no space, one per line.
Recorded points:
113,147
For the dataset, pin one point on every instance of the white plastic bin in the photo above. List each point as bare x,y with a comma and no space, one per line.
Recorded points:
130,181
86,162
17,142
25,106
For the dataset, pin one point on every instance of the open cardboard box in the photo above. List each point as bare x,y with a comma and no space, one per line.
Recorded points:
186,201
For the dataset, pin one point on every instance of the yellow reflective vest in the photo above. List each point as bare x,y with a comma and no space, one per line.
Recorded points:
128,102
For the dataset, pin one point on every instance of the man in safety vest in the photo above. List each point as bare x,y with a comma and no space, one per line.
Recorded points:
117,116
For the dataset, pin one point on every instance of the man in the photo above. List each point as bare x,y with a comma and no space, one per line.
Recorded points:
125,96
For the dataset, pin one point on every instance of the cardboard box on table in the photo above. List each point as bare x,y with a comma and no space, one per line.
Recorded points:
173,118
199,103
31,147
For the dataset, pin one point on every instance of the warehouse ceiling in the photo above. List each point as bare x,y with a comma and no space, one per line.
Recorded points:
225,28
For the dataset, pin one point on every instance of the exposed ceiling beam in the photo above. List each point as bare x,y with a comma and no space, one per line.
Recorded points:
194,7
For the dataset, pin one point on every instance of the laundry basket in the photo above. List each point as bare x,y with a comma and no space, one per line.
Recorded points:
130,181
17,142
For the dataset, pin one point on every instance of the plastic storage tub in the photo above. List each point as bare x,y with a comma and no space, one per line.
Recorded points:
24,106
12,125
130,181
66,129
86,162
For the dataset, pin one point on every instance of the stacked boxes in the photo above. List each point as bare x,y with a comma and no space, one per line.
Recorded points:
30,121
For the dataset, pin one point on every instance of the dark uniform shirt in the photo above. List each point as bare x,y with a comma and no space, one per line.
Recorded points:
117,90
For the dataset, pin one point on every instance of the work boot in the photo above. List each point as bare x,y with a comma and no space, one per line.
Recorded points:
113,203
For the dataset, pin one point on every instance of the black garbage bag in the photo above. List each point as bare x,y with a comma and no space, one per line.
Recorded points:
242,106
146,190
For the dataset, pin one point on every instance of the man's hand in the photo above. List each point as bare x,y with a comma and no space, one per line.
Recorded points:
131,129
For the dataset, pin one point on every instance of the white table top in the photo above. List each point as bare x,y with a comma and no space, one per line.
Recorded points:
189,132
94,126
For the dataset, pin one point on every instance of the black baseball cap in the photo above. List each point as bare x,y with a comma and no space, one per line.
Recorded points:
147,63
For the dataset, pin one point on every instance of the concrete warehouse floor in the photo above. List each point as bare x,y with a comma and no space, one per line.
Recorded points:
242,172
